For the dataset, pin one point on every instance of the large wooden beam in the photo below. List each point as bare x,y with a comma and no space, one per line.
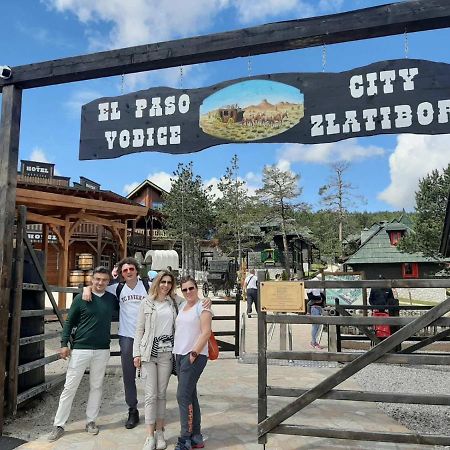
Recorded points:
9,154
378,21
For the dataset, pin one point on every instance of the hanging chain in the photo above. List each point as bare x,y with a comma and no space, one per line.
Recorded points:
249,65
324,57
122,83
181,77
406,43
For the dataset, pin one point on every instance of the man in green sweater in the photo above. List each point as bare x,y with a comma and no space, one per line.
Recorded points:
90,349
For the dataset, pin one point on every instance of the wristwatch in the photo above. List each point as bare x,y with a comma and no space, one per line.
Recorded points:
194,354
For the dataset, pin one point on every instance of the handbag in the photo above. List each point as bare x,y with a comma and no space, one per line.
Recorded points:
213,347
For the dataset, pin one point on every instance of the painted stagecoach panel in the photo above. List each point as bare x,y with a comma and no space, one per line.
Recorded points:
251,110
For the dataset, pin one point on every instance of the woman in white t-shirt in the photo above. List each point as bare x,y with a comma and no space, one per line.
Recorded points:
152,349
192,331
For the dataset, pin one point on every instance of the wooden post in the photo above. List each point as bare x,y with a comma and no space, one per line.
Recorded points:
16,311
9,154
45,245
262,368
98,261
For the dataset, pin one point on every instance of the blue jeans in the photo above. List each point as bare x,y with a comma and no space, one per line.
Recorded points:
188,376
315,328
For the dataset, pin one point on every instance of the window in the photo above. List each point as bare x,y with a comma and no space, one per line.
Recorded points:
410,270
395,236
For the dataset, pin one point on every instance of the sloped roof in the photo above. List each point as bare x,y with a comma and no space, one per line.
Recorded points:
143,185
377,248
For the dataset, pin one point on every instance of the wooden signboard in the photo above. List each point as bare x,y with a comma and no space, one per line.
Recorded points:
398,96
283,296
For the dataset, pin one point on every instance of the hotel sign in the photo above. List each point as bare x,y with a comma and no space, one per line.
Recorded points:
389,97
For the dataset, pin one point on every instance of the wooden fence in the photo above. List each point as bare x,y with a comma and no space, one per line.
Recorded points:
379,353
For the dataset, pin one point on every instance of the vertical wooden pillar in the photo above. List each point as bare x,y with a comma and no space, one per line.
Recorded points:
9,155
125,241
45,245
64,263
99,244
16,312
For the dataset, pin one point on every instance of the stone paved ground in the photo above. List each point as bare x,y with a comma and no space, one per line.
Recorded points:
229,402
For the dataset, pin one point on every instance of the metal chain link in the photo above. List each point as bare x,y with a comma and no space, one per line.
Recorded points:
249,65
406,43
181,77
324,57
122,83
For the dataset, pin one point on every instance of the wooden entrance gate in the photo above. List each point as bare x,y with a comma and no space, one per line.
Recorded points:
385,20
355,362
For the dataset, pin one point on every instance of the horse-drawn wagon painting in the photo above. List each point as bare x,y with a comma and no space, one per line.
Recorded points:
251,110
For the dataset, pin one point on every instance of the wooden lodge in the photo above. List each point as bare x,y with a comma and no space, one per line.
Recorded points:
78,227
378,254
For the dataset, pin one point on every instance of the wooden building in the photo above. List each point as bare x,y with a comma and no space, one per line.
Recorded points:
378,254
149,232
66,221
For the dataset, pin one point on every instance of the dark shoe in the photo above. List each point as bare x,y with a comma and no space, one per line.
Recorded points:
56,433
197,441
183,444
92,428
133,418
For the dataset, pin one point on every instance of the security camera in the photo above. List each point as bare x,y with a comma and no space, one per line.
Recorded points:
5,72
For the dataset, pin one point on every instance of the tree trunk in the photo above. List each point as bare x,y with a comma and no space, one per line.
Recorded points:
287,260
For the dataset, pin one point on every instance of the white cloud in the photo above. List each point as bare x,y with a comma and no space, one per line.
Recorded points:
349,150
37,154
413,158
212,182
109,24
130,187
80,98
161,179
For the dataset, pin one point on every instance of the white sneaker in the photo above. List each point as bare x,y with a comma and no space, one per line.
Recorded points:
161,443
149,443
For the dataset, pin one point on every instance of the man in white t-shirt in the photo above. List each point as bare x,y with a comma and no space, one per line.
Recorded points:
130,293
251,288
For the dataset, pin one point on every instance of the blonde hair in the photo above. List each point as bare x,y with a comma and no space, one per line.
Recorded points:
153,291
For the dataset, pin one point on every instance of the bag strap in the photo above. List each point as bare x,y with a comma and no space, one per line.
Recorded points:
119,288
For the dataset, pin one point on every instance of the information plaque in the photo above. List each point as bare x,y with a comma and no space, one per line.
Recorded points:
283,296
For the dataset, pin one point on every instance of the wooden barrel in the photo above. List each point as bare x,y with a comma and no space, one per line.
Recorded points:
88,277
85,261
76,277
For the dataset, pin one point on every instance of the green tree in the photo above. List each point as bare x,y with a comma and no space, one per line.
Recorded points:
338,196
431,203
188,212
233,210
279,189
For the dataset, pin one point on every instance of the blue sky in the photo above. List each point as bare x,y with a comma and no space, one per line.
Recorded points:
385,169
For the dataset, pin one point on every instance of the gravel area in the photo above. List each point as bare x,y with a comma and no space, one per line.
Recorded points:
411,380
37,418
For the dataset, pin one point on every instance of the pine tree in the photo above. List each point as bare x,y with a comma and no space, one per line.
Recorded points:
279,189
188,212
431,203
233,210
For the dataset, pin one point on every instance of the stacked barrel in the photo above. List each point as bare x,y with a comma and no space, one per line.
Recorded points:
83,274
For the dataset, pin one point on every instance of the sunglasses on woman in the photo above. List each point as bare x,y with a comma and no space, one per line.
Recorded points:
165,282
188,289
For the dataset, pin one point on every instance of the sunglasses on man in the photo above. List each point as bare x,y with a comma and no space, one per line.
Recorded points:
128,269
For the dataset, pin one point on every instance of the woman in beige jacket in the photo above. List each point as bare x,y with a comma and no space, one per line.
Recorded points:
152,350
